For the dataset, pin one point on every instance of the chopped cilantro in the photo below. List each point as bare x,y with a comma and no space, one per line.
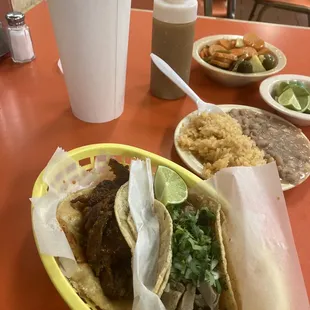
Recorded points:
195,250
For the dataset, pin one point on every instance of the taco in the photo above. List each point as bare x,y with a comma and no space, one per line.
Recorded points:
102,251
198,278
193,268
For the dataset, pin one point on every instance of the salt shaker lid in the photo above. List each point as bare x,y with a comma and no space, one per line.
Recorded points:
15,18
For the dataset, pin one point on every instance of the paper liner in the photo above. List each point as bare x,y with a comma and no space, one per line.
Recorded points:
63,176
145,257
128,229
262,260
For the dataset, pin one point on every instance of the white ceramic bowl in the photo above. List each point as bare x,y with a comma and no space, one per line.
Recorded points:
267,88
229,78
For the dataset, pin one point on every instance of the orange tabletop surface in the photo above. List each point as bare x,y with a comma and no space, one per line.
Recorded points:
35,118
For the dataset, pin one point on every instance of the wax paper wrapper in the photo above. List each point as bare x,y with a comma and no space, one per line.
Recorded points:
63,175
141,200
261,248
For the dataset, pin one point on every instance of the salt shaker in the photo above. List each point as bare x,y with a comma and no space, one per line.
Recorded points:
20,42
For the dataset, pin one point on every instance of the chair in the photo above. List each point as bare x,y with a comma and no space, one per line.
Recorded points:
298,6
220,8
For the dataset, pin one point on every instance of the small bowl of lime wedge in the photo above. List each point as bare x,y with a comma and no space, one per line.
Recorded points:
289,95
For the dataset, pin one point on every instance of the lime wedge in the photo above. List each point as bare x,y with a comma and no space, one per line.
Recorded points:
286,88
307,111
169,187
304,102
298,83
289,100
280,88
299,90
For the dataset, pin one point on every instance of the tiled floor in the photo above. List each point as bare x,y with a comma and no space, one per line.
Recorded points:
242,12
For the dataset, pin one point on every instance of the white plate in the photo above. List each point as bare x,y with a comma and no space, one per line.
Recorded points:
195,165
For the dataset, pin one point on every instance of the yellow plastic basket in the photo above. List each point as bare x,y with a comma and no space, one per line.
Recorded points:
86,157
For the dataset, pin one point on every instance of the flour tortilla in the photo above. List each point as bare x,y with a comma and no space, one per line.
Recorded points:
128,229
83,280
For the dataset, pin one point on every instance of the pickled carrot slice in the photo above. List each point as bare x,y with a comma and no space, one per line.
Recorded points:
249,51
226,43
252,40
214,48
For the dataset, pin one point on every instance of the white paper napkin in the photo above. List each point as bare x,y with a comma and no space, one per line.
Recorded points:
262,247
141,201
63,176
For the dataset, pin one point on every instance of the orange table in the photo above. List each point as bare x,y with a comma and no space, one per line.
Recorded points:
35,118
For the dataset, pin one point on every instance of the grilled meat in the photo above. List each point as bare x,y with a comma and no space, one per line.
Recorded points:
105,248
